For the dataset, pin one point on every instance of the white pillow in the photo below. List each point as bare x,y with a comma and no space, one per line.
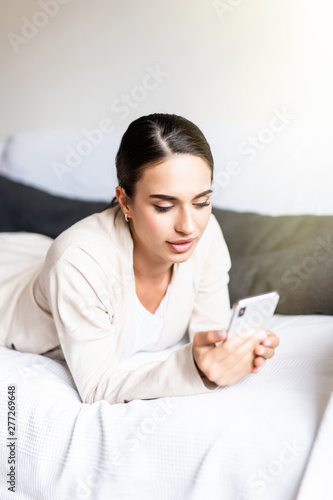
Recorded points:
74,164
288,170
291,174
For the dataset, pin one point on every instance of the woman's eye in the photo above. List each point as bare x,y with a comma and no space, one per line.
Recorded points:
202,204
165,209
162,209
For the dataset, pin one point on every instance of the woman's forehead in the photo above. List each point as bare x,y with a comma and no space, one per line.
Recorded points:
178,170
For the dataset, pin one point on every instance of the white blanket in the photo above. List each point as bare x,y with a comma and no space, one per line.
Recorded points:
268,437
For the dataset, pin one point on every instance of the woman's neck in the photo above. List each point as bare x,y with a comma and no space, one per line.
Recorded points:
145,271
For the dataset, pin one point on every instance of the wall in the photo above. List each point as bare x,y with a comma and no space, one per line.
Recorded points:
230,60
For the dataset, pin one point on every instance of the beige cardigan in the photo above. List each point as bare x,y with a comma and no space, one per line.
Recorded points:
78,304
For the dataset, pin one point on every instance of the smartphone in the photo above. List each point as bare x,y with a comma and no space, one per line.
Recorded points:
250,314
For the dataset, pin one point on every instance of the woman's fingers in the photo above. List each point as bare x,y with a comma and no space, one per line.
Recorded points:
258,362
271,340
225,361
241,344
206,339
265,352
266,349
216,361
230,361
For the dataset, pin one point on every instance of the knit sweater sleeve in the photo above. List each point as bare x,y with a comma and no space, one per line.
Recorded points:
83,306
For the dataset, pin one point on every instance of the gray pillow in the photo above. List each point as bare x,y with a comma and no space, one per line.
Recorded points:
25,208
292,254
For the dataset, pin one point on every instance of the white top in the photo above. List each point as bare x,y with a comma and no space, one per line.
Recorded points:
149,326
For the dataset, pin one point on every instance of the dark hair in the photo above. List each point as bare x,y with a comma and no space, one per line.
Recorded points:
149,140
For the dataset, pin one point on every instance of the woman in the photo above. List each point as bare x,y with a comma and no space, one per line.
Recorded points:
136,276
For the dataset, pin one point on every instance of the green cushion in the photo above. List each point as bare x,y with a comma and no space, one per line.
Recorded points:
292,254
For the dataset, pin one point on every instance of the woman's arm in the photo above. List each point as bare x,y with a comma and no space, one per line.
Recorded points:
230,361
83,311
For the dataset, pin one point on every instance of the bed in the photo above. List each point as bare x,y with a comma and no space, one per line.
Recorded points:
267,437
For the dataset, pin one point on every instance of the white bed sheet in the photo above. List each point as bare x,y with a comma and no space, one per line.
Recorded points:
268,437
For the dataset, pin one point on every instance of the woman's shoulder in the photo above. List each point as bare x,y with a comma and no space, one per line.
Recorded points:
98,234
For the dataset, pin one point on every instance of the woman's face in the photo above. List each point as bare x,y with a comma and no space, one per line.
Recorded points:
172,204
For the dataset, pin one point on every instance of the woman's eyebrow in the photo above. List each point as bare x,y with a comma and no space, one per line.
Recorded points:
167,197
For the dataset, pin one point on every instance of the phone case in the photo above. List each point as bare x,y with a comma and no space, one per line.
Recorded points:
250,314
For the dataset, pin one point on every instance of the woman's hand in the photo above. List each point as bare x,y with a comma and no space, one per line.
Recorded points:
231,360
265,350
234,358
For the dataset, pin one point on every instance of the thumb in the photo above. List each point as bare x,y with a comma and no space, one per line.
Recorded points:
222,334
202,339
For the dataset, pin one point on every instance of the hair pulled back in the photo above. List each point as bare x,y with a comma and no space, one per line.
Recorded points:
151,139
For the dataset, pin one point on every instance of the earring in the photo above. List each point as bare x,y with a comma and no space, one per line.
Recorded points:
127,218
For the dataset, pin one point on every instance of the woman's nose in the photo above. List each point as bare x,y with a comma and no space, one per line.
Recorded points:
185,222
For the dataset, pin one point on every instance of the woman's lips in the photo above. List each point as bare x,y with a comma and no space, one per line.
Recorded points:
181,247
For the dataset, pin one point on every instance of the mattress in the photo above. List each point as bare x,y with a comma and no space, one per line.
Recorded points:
267,437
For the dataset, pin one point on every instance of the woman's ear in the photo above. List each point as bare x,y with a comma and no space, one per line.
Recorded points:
123,199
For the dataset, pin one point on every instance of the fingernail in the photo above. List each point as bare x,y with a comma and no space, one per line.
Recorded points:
261,351
220,333
261,334
267,342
